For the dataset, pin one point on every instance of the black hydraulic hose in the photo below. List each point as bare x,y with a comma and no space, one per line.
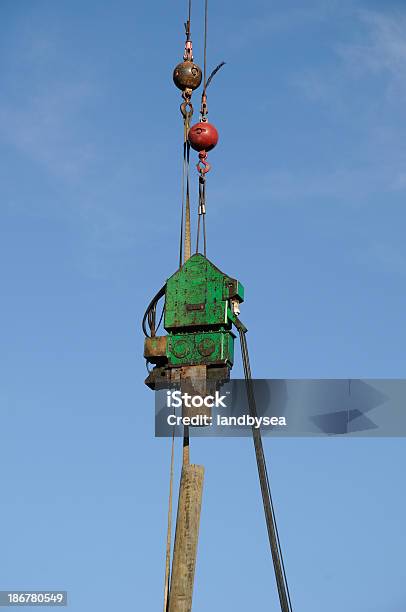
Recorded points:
215,71
152,306
276,551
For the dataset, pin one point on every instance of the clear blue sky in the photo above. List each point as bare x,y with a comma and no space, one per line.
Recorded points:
306,206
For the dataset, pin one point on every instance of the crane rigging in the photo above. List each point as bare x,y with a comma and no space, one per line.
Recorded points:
201,308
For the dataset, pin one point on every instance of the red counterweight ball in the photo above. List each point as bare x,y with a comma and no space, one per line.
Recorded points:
203,136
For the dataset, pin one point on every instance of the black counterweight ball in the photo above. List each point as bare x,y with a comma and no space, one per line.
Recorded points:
187,75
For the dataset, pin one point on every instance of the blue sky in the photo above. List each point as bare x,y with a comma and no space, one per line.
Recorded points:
305,206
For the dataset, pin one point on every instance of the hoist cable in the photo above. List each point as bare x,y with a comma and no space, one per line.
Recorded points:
183,209
184,243
187,24
187,248
169,529
270,518
205,47
200,210
201,214
198,233
203,112
187,112
204,235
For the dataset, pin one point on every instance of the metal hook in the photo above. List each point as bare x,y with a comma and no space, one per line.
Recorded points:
186,108
203,165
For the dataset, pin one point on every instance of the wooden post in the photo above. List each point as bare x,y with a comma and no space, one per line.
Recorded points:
186,538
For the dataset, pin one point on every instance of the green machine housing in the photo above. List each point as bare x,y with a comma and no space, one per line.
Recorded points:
201,304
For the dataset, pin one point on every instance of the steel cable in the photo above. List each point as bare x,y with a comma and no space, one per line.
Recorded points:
169,529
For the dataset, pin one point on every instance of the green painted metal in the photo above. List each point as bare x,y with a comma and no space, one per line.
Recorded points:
198,317
197,296
201,348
